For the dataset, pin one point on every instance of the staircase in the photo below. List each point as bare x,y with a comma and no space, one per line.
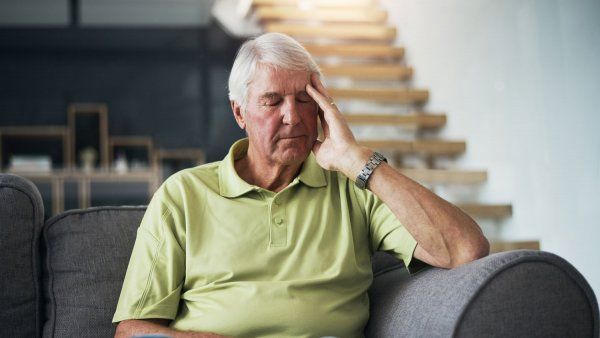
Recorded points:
366,74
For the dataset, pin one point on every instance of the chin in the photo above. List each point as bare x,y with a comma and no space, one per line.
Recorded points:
294,156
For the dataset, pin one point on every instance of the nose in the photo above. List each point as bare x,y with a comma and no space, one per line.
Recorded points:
290,111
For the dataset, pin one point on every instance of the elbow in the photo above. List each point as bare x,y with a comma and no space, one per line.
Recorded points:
472,251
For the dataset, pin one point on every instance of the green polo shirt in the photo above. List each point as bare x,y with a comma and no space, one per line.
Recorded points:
216,254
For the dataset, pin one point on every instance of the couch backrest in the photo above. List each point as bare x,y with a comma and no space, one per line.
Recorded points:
86,256
86,253
21,219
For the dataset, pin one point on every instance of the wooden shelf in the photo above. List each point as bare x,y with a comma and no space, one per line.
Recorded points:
338,31
421,120
290,13
486,210
380,51
101,175
394,95
445,176
499,246
429,147
132,142
40,132
368,71
83,179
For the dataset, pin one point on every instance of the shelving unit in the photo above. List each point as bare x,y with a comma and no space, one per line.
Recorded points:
92,118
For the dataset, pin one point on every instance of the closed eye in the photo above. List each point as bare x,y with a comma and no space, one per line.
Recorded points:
273,103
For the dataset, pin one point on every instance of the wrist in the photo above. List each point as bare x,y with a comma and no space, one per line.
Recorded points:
357,158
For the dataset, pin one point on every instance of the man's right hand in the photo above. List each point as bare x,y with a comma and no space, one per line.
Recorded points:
129,328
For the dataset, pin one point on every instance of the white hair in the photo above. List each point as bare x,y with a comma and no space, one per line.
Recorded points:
271,49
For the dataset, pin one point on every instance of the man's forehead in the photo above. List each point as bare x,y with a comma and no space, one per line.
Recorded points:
275,80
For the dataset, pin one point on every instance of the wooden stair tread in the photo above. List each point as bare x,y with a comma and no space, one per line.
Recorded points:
337,31
321,14
355,50
486,210
431,147
313,3
422,120
368,71
398,95
499,246
445,175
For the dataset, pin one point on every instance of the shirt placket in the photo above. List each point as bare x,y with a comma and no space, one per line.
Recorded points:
278,222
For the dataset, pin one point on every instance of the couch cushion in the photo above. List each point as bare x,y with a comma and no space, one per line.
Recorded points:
86,256
21,218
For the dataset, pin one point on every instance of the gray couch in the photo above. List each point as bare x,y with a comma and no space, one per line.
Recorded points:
62,277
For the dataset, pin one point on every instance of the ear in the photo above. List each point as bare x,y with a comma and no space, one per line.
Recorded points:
237,113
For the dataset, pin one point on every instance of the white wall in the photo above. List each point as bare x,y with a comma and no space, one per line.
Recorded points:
520,81
16,13
144,13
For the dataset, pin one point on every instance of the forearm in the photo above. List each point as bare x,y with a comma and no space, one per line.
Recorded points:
444,231
129,328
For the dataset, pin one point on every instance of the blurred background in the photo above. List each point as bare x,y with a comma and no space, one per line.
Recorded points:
489,104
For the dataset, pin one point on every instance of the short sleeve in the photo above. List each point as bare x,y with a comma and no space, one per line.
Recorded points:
386,232
156,269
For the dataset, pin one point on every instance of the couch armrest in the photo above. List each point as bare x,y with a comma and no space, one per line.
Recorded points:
517,293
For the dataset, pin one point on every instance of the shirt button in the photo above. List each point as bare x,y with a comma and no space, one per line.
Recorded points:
277,202
278,220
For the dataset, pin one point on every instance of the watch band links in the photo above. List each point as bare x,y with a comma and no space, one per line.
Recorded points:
367,170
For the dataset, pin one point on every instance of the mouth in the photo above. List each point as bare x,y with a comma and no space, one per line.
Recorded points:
291,137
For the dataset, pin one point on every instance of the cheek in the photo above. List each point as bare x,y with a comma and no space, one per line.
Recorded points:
264,127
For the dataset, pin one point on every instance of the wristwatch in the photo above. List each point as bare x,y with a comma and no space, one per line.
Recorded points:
367,170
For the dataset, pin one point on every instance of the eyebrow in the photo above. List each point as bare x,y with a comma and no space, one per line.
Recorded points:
275,95
269,95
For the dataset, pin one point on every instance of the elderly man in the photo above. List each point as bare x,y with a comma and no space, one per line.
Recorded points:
275,240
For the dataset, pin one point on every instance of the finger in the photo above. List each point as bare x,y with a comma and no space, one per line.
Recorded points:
317,96
316,82
329,110
324,124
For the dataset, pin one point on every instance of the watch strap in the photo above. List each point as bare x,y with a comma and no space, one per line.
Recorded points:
374,161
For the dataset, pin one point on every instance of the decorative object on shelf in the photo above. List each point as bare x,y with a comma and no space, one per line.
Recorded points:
120,163
30,163
87,158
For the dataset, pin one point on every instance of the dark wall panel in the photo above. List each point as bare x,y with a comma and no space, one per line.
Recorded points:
170,84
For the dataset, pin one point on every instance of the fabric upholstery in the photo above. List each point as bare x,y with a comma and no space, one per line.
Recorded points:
479,299
21,219
558,304
86,256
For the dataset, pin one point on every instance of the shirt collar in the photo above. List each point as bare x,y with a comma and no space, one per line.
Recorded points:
232,185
